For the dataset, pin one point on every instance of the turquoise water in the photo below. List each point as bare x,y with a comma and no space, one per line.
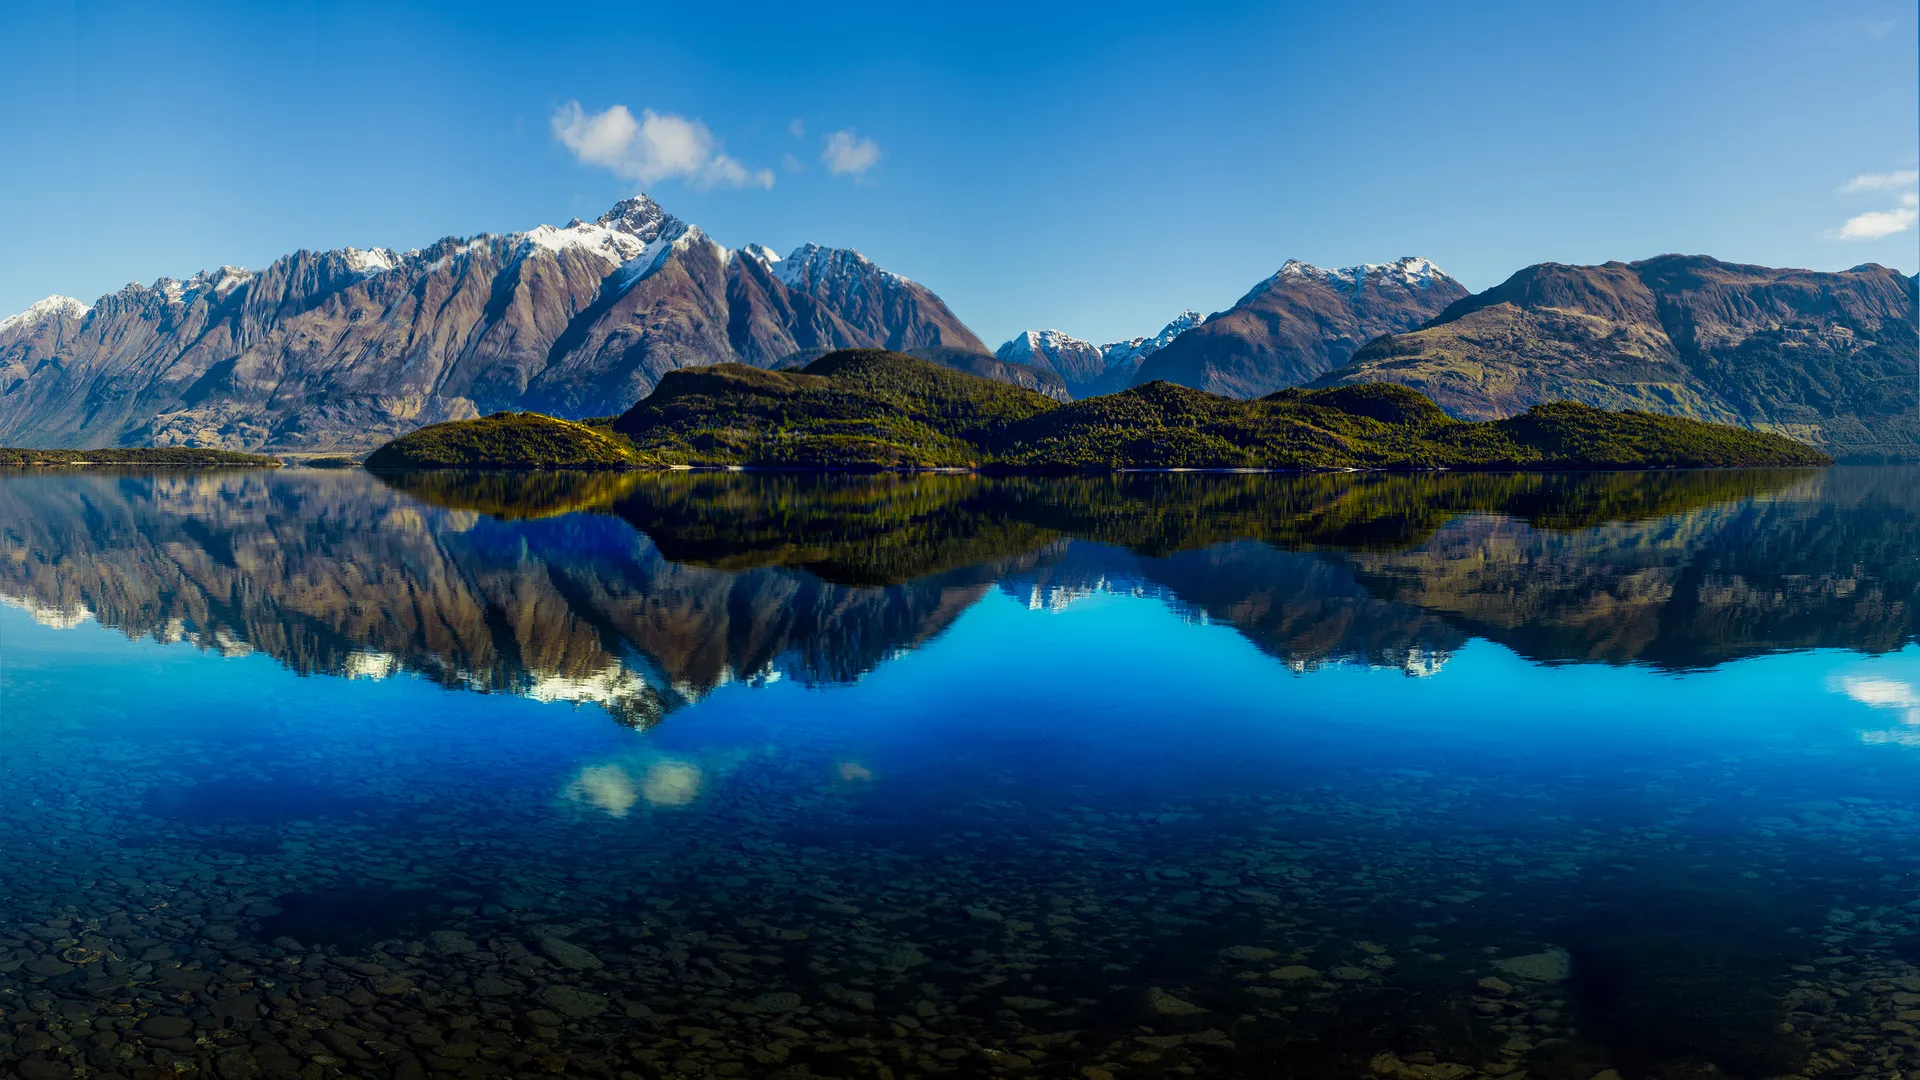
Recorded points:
314,775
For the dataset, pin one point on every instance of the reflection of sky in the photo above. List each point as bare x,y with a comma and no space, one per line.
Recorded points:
1112,691
615,789
1887,696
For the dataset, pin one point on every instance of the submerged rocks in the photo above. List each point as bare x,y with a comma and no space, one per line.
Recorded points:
1553,965
792,932
1165,1004
571,1003
166,1027
569,955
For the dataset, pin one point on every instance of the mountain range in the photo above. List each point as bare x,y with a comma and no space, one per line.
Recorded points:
1301,323
342,350
1829,359
1086,369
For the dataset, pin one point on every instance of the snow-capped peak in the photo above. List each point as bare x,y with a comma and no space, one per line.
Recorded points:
222,281
635,228
1140,348
42,310
1410,270
1054,344
1046,342
639,215
761,252
816,265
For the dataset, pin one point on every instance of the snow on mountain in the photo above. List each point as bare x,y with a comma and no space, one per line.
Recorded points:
635,229
1410,270
1050,347
42,310
1136,349
372,261
812,265
581,319
1078,360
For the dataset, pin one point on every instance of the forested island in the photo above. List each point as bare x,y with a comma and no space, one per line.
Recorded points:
869,409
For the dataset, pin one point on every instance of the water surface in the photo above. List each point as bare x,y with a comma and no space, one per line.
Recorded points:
310,774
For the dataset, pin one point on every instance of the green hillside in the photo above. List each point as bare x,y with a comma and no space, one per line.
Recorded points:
508,441
855,408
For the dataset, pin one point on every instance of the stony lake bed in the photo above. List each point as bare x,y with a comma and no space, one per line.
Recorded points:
312,775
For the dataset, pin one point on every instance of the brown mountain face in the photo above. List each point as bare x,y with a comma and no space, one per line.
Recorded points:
1301,323
1826,358
342,350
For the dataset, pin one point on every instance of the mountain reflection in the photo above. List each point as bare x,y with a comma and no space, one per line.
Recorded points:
643,592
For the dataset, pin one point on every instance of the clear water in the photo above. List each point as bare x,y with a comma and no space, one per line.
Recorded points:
730,775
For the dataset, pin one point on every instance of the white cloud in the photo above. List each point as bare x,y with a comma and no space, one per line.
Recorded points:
1881,181
797,126
1878,224
652,148
849,154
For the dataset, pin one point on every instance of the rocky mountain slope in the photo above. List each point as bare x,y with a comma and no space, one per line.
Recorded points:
345,349
1087,369
1300,323
1826,358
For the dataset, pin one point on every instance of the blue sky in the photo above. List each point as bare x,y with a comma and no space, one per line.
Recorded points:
1094,168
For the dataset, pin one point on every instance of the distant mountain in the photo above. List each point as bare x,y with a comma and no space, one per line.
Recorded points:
1087,369
1826,358
1300,323
345,349
1027,376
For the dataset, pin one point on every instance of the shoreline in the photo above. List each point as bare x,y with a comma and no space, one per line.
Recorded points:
171,457
1082,473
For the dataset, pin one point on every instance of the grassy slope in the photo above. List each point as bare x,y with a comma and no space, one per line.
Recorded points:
1503,360
508,441
1823,358
869,409
172,457
855,408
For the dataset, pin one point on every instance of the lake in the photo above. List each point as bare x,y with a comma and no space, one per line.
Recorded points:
313,774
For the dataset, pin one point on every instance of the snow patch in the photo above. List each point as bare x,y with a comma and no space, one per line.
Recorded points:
1411,271
816,266
369,262
42,310
1053,344
631,232
1136,349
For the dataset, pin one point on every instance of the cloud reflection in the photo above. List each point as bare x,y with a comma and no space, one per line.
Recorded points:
1882,693
604,787
615,789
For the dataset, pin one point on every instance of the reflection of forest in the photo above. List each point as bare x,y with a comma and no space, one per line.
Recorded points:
643,591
